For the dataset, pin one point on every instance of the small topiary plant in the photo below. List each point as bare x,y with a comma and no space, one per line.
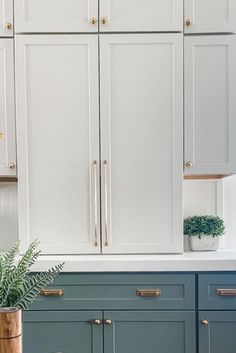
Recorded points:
204,226
18,287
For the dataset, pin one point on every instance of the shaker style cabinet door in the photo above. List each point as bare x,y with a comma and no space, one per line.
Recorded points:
202,16
6,18
141,132
210,104
62,332
56,16
140,16
149,331
58,147
7,109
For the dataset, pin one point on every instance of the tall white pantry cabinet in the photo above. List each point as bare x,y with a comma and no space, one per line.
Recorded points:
99,111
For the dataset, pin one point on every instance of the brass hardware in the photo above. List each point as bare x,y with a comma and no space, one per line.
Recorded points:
95,180
105,163
104,20
188,22
108,322
11,166
148,292
9,25
205,323
97,322
93,20
231,292
52,292
1,135
189,164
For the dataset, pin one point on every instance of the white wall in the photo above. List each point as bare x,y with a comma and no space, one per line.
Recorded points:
230,211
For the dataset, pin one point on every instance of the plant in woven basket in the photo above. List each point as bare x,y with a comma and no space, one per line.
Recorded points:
19,288
204,226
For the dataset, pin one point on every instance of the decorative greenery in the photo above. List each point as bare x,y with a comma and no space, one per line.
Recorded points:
204,225
18,287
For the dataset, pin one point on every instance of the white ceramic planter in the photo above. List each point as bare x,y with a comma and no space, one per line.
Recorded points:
205,243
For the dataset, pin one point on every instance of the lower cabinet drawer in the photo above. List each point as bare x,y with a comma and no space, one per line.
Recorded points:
128,291
217,292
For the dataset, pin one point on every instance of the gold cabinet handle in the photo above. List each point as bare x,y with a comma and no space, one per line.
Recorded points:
93,20
95,183
104,20
188,22
9,26
226,292
189,164
11,166
105,164
108,322
205,323
148,292
1,135
97,322
52,292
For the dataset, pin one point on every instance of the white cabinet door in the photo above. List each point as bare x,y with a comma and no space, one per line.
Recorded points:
137,15
210,104
58,132
210,16
141,131
6,18
7,109
56,16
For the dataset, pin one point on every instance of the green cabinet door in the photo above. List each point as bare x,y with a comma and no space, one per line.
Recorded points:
217,332
62,332
149,332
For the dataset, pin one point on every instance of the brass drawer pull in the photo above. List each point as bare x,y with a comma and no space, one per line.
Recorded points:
231,292
52,292
148,292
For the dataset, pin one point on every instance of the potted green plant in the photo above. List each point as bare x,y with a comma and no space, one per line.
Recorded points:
18,289
204,232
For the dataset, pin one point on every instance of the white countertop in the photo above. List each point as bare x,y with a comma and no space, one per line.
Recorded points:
189,261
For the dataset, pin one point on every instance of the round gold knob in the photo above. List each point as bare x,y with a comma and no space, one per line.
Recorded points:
97,322
205,323
93,20
188,22
108,322
189,164
11,166
9,25
104,20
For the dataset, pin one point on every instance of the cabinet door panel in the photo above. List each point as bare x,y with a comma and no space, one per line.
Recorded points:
141,332
7,109
55,15
210,16
133,15
219,335
6,18
210,105
58,132
67,332
141,117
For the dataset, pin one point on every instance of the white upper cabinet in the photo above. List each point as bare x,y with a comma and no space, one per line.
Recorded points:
58,142
210,104
202,16
7,111
6,18
141,142
56,15
140,15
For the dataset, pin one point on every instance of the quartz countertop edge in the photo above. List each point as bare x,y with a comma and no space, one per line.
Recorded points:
187,262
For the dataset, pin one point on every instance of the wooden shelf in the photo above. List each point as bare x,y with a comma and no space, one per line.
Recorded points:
206,177
8,179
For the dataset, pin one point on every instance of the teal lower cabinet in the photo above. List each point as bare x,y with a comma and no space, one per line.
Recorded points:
62,332
217,331
149,332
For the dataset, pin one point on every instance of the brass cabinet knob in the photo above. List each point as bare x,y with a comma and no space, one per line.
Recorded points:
108,322
205,322
93,20
189,164
9,25
1,135
11,166
188,22
97,322
104,20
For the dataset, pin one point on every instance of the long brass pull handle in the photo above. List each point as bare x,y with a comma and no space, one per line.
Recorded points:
52,292
231,292
148,292
105,163
95,181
